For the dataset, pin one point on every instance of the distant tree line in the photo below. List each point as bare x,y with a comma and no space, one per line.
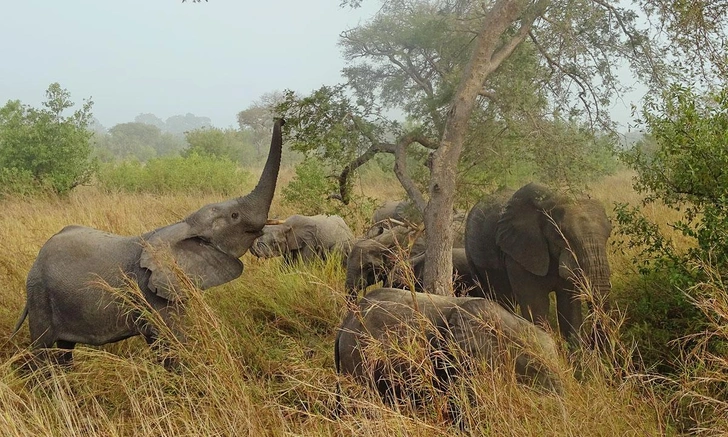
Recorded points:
50,149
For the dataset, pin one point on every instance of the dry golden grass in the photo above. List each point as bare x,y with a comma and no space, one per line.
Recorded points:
260,356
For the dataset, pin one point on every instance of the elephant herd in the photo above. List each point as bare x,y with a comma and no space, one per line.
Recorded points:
517,247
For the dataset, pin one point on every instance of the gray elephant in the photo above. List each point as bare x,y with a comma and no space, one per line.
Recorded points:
393,211
67,304
375,342
525,245
375,259
464,282
386,257
304,237
401,212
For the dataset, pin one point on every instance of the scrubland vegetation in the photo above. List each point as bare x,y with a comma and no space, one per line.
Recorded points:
491,95
259,360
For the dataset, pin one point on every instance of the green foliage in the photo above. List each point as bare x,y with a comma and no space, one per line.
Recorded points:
44,145
17,182
221,143
193,173
687,172
559,153
309,190
571,155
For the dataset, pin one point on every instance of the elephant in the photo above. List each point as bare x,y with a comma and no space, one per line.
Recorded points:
393,211
464,283
67,301
374,259
374,343
522,246
304,237
404,211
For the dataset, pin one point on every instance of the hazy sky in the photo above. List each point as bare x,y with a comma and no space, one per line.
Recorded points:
167,57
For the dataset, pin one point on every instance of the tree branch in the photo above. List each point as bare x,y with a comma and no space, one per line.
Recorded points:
400,165
528,18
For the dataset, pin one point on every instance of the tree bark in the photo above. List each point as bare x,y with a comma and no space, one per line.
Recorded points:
490,51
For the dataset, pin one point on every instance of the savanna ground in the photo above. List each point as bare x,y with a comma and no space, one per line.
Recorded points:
259,360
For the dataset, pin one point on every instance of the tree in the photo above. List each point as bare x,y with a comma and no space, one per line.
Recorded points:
137,140
179,124
451,66
149,118
51,148
220,143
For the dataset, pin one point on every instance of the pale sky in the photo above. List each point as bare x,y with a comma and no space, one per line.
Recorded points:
167,57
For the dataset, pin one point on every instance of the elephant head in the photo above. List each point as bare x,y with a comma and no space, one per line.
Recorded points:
537,242
304,237
277,240
372,259
208,243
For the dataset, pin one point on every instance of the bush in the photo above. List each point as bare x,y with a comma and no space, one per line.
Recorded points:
44,144
168,175
309,191
220,143
312,191
685,170
14,181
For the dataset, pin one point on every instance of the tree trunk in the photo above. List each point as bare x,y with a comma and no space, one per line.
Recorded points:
489,53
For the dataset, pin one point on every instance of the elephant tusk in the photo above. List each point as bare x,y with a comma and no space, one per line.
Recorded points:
396,222
274,222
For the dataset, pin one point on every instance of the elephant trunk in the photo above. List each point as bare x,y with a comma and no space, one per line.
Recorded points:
261,197
595,265
596,268
355,278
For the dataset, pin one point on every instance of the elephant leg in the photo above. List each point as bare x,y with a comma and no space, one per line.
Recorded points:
568,306
500,287
65,358
42,338
531,292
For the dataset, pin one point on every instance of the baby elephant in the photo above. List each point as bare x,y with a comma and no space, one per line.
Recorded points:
375,342
304,237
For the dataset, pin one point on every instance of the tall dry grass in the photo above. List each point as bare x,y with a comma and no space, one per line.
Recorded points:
259,355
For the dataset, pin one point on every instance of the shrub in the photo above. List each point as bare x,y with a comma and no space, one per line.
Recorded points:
175,174
309,191
685,170
313,191
15,181
44,144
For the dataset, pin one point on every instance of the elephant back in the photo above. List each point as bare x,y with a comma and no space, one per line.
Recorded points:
485,331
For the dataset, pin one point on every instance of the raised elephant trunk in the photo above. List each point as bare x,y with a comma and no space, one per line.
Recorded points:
261,197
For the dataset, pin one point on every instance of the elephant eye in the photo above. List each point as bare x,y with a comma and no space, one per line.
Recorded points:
235,215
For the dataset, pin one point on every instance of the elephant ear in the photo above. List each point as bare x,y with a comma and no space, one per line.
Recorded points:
175,247
298,237
520,233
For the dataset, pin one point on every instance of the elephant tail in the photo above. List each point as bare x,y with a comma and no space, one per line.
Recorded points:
20,321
